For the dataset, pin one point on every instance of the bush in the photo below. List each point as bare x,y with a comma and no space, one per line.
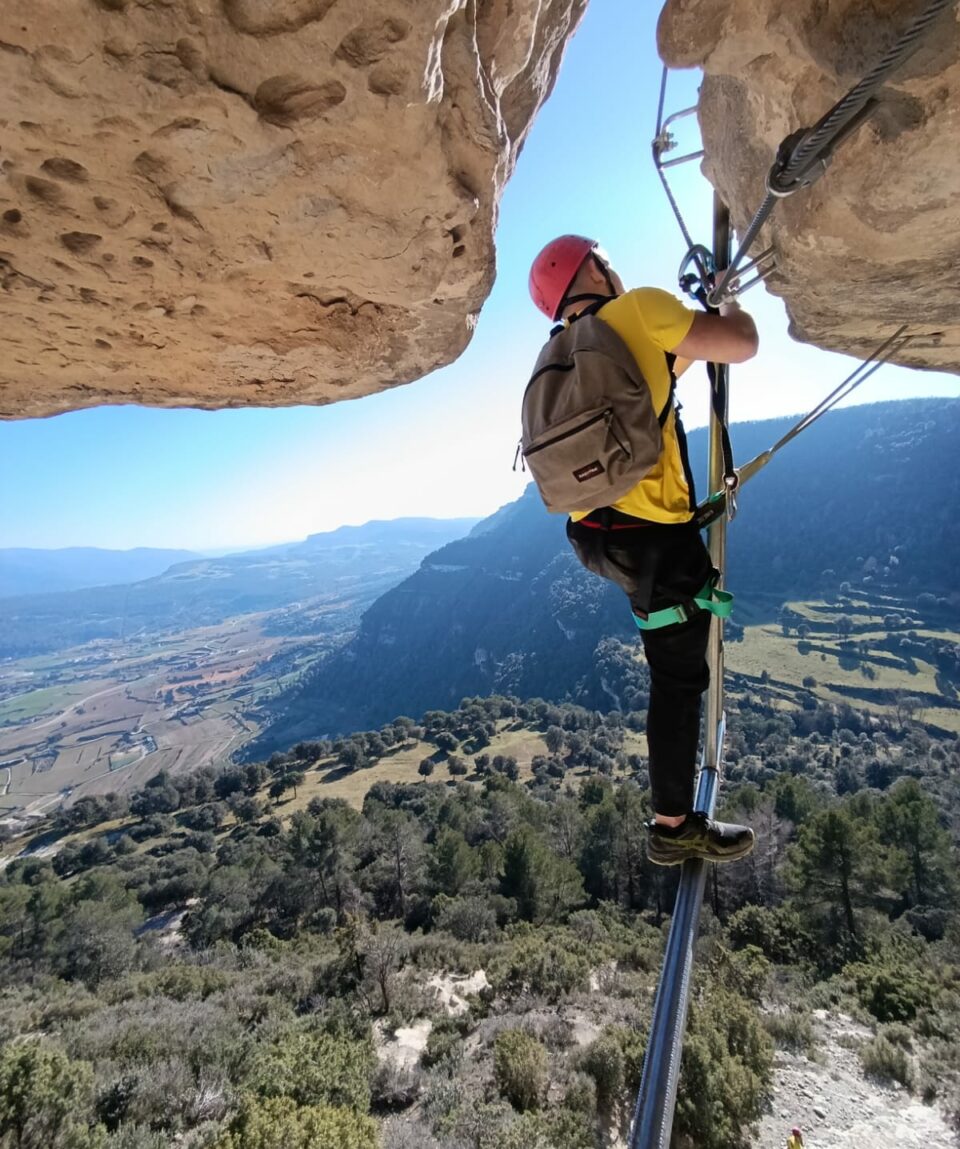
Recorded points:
136,1137
520,1068
725,1072
778,932
546,966
444,1044
314,1069
279,1123
581,1095
468,919
791,1030
603,1060
395,1086
891,993
45,1099
887,1062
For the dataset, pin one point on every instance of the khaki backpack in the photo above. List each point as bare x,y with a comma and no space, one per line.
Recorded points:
590,432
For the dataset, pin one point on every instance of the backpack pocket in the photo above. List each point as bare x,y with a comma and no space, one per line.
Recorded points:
574,462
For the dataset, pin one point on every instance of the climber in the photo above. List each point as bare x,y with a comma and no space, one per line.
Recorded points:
645,541
795,1140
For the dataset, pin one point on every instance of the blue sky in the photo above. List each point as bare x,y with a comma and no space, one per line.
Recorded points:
121,477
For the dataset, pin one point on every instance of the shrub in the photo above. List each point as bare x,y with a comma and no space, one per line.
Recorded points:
520,1068
395,1086
891,993
444,1044
791,1030
552,1129
279,1123
136,1137
725,1072
313,1069
468,919
184,981
45,1098
778,932
547,966
603,1060
886,1061
581,1095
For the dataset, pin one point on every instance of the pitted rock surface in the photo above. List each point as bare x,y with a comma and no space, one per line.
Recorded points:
218,203
876,241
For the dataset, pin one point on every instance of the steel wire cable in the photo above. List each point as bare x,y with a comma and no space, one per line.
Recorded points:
818,142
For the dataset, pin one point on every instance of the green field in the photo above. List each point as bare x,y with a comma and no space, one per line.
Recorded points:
45,701
867,677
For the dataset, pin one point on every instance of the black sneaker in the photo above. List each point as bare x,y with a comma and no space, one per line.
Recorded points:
698,837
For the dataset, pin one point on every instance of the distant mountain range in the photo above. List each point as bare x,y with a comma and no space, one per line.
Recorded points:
24,570
869,496
346,569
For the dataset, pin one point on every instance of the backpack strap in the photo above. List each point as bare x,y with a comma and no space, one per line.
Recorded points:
598,301
679,429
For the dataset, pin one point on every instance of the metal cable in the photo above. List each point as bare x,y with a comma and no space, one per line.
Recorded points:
854,101
817,143
715,504
658,147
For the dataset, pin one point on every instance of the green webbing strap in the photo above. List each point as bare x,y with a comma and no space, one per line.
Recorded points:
710,597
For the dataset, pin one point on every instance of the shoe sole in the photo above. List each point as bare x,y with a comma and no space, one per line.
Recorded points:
672,859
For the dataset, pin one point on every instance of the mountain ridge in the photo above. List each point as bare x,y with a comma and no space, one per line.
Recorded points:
78,568
508,609
354,563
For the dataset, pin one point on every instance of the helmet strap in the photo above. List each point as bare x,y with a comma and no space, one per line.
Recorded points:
591,296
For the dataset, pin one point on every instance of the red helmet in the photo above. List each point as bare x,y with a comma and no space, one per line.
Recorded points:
796,1132
555,268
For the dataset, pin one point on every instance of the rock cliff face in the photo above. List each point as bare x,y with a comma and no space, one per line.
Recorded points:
218,203
221,203
876,241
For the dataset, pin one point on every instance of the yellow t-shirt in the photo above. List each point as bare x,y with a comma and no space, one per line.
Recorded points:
651,322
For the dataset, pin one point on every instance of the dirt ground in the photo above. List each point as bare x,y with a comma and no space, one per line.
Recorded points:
837,1107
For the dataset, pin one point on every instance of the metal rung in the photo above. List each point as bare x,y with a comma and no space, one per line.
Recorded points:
682,159
664,141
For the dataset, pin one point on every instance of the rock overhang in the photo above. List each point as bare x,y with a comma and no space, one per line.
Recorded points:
874,242
221,203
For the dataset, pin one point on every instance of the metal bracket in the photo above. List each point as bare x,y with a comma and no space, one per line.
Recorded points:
762,266
666,142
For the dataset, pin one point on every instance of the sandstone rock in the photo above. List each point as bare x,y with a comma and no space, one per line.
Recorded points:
876,241
216,203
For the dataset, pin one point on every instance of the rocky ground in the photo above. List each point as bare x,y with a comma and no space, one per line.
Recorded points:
827,1095
837,1107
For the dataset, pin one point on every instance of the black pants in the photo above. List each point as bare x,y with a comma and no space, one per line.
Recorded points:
659,565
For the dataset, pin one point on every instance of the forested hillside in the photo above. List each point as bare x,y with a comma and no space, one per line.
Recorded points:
866,499
244,960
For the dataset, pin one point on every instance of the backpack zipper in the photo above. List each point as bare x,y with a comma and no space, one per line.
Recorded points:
606,415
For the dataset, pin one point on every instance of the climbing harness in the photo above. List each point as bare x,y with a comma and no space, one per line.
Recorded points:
714,279
709,597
